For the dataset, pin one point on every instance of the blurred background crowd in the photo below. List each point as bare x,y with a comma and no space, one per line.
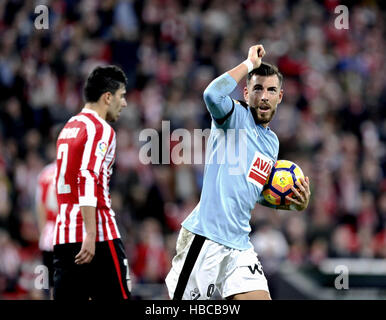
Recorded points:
331,121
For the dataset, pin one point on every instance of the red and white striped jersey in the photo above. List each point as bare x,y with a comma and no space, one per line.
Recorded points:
85,155
46,196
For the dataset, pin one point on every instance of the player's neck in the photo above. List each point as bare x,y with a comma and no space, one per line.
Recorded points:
98,108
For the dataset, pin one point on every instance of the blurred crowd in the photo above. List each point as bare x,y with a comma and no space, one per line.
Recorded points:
331,121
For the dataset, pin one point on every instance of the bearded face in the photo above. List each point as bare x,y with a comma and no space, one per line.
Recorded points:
263,94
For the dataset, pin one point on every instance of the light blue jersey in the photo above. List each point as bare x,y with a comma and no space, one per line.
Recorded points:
239,157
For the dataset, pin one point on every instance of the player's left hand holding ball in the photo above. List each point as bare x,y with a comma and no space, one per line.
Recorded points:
302,194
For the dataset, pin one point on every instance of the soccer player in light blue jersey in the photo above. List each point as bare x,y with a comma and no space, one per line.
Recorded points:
213,247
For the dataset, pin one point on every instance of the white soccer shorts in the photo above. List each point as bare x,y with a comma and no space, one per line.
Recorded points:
202,265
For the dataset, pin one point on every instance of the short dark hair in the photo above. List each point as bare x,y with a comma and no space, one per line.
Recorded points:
103,79
266,69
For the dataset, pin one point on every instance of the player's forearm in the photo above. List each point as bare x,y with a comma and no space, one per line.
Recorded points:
255,54
290,207
87,200
285,207
41,215
89,219
276,207
238,72
216,95
265,203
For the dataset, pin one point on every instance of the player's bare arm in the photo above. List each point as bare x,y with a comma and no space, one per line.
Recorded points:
41,215
87,250
255,55
216,95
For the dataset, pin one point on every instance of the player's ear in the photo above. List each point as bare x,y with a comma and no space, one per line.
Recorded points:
281,93
246,94
107,97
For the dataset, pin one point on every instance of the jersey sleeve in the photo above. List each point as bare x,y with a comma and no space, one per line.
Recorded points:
277,149
95,149
226,112
216,96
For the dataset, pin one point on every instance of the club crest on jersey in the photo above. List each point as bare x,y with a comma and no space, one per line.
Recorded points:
101,149
260,169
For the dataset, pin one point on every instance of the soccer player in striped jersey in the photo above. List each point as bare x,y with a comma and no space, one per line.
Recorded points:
213,247
47,209
89,257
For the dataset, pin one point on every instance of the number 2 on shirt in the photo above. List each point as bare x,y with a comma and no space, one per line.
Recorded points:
62,187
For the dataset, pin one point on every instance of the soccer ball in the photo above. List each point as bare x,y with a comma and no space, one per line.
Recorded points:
284,174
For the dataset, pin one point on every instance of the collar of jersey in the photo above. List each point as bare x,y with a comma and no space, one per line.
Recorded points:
95,114
86,110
